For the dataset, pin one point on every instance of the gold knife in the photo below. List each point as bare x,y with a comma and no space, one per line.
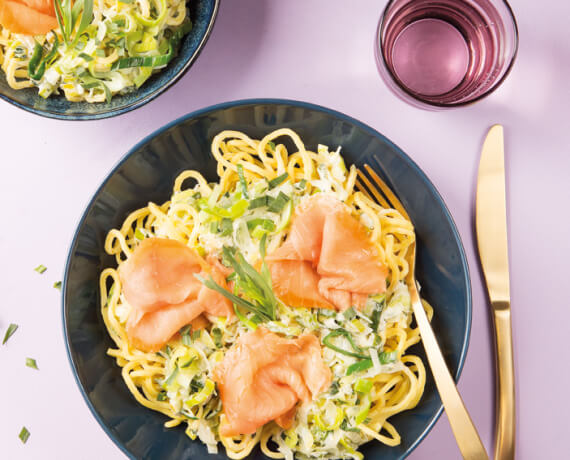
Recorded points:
491,225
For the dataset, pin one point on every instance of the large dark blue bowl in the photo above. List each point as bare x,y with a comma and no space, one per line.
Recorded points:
202,13
147,173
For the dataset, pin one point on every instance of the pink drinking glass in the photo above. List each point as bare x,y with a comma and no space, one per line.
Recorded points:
445,53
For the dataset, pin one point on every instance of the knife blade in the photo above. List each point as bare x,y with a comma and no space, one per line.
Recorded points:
491,229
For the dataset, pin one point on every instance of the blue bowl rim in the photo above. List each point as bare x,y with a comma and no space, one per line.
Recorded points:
270,101
133,105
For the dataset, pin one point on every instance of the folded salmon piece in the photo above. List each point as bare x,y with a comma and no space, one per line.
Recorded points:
263,376
159,282
327,259
28,17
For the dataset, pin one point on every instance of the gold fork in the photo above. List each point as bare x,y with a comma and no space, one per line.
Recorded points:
465,432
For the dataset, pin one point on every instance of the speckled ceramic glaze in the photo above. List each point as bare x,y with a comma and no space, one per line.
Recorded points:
147,173
202,13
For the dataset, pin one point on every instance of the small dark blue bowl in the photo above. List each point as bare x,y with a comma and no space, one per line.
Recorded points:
202,13
147,173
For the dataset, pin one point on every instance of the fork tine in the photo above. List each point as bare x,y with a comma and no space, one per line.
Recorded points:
396,204
377,195
361,188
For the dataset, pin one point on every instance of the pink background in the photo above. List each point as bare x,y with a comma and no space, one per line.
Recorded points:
322,52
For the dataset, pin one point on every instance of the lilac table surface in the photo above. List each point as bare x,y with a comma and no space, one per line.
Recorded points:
321,52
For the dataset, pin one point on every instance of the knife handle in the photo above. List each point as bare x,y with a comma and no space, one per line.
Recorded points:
505,388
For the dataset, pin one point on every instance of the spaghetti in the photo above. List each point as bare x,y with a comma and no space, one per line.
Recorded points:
362,398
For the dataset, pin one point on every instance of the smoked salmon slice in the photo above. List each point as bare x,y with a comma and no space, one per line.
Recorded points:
327,258
263,376
28,17
158,282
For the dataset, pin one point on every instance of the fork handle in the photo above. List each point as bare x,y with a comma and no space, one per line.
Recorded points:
464,430
505,392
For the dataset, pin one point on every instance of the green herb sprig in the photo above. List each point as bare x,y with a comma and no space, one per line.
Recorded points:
255,288
67,13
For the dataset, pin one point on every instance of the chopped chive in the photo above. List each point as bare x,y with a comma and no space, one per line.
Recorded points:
196,334
31,362
279,203
85,57
139,235
24,434
40,268
242,181
161,396
9,332
272,145
57,285
214,227
278,180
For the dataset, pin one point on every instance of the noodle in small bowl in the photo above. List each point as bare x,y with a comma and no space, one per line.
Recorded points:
147,174
115,66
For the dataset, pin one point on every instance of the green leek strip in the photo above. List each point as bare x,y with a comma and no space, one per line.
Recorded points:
363,385
148,43
37,64
279,203
85,57
34,64
57,285
9,332
24,435
361,416
339,417
149,22
266,224
359,366
244,319
350,313
202,395
277,180
40,269
233,212
217,337
144,74
88,82
341,332
161,396
171,379
291,438
259,202
242,181
31,362
385,357
285,217
226,227
301,184
350,450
